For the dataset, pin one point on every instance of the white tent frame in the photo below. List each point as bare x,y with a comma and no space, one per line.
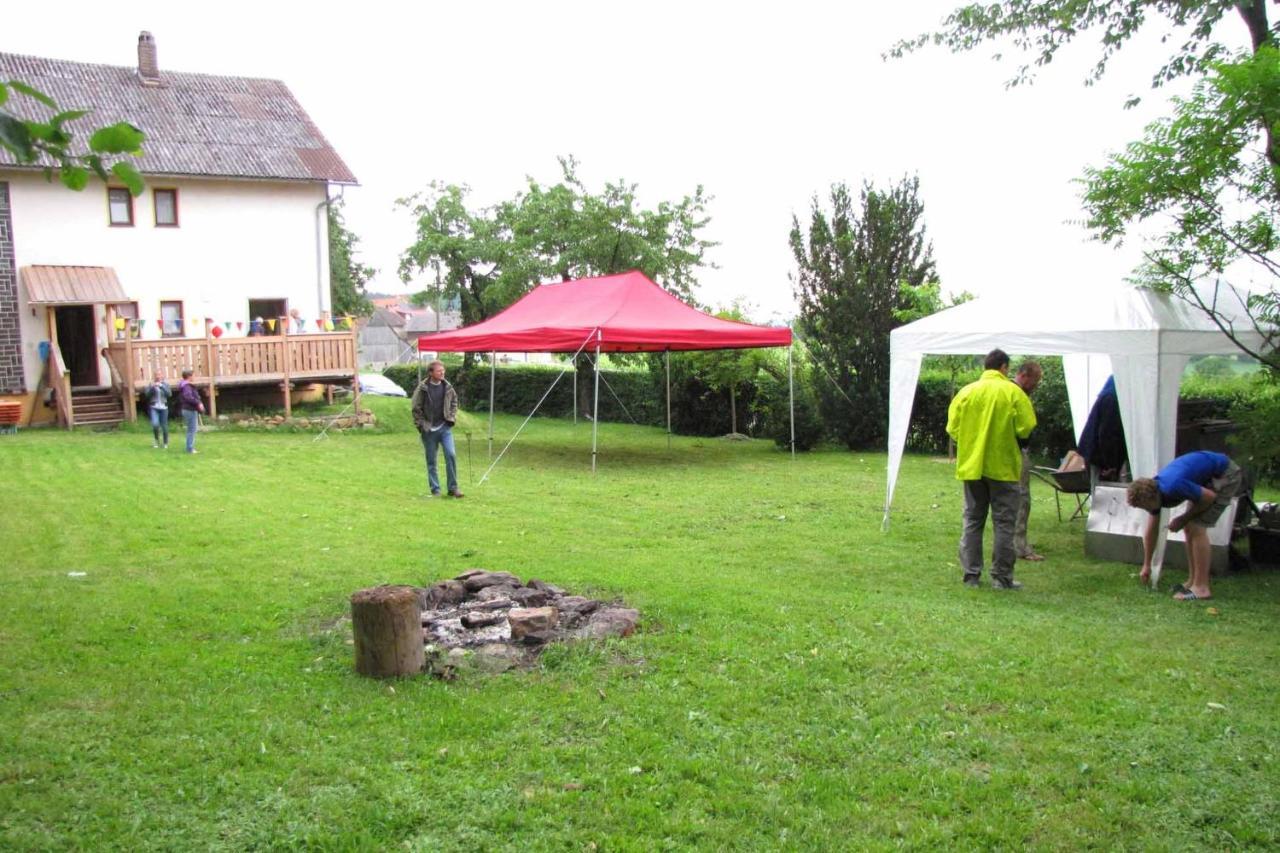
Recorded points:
1147,337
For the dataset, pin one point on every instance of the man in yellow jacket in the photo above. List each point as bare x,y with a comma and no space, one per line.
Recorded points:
986,419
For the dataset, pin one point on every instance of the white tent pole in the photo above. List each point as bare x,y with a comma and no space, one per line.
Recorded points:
575,390
668,399
791,398
595,406
493,373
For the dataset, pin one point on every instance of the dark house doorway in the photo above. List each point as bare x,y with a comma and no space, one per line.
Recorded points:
78,343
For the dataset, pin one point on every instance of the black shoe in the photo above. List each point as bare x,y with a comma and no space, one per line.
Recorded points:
997,583
972,580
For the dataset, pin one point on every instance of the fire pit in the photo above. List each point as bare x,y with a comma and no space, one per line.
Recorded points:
480,619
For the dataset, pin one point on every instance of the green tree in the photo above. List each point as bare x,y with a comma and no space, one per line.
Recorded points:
1211,170
728,370
347,276
36,131
1204,172
491,256
855,274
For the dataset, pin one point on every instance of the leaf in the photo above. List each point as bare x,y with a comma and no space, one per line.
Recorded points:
4,94
40,130
119,138
129,176
95,163
74,177
69,115
14,136
19,86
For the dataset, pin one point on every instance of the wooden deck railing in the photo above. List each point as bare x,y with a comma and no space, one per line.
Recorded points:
60,381
267,360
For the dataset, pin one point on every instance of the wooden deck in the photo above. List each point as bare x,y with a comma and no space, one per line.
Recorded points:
278,360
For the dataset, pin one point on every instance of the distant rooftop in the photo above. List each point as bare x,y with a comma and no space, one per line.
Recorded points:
196,124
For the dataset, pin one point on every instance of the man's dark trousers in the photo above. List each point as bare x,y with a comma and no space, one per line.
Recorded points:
1001,498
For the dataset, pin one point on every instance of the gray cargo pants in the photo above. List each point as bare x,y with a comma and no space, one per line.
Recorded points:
1002,499
1021,547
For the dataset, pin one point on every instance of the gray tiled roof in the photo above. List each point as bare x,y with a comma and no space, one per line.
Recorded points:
196,124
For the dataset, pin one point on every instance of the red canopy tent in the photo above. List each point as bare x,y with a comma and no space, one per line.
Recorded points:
614,313
630,313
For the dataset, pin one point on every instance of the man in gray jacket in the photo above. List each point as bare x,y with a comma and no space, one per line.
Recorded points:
435,409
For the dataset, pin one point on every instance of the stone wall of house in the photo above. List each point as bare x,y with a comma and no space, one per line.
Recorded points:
11,373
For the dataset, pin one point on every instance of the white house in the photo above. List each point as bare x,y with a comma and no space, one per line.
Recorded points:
232,226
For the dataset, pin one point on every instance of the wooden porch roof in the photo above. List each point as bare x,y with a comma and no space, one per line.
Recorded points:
58,285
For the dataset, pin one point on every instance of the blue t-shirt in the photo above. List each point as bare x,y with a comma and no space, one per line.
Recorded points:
1182,478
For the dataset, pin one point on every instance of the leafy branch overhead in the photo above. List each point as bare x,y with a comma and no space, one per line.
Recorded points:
1201,188
1040,28
48,141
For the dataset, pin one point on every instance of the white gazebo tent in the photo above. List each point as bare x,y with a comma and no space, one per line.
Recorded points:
1147,338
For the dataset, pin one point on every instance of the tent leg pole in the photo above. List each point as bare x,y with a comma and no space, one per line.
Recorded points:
575,391
595,410
493,375
791,398
668,399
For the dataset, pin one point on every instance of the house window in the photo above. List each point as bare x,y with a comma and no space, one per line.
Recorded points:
120,205
165,203
171,319
127,311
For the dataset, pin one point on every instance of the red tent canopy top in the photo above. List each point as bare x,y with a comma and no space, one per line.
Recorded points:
628,311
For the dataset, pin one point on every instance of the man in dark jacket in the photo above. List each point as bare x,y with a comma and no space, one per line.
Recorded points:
435,410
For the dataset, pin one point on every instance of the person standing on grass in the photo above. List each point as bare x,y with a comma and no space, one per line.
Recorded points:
986,419
157,397
435,410
1207,481
1027,378
192,407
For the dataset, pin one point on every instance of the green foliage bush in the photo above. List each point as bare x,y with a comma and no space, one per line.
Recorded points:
773,412
698,408
1253,402
518,388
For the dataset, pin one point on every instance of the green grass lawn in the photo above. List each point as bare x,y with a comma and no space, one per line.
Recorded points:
801,680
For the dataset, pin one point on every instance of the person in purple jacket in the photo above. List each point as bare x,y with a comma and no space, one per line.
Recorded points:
1207,481
192,407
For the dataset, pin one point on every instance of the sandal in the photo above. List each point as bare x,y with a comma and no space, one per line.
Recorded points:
1189,595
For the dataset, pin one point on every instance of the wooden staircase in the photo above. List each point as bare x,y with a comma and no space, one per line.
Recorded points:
96,407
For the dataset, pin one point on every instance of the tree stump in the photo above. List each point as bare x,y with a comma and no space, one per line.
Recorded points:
387,623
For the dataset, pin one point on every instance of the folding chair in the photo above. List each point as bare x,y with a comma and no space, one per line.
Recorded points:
1075,483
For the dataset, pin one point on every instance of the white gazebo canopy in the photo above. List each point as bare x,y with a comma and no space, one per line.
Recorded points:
1142,337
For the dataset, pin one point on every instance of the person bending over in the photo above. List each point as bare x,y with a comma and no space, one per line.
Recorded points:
1207,481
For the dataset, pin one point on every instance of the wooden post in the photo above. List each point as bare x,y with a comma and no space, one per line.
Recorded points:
355,370
284,365
131,372
387,624
211,366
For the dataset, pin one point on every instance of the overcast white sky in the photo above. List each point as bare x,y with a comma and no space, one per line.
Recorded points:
762,105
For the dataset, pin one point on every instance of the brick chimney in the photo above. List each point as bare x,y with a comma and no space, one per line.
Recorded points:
148,66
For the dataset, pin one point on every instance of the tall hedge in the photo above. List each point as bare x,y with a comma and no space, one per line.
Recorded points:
518,388
762,406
